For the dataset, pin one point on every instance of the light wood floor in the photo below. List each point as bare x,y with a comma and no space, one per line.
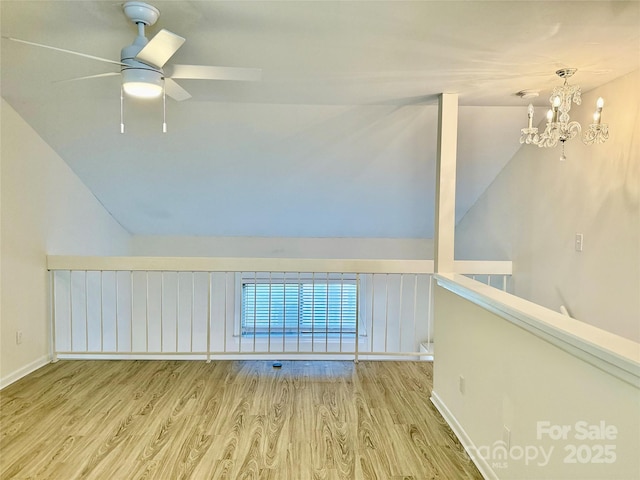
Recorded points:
227,420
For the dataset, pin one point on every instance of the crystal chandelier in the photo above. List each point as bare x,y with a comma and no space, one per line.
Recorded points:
559,128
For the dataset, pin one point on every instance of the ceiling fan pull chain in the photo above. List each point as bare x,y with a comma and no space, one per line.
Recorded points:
121,109
164,108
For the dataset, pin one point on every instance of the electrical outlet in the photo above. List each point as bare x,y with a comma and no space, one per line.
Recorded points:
18,337
461,384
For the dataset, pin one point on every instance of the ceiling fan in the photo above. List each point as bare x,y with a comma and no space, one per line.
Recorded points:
143,64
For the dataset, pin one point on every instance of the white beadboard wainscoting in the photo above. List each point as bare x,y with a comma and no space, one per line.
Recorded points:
186,307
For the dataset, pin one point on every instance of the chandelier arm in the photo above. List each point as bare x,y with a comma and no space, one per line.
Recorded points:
597,133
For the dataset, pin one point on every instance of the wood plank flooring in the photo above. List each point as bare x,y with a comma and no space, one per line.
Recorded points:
169,420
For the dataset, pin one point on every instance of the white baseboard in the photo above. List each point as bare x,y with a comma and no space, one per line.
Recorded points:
24,371
239,356
481,463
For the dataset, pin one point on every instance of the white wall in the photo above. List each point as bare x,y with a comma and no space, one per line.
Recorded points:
270,247
46,209
515,379
534,208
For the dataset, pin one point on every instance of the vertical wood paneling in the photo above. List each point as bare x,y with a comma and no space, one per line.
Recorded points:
182,312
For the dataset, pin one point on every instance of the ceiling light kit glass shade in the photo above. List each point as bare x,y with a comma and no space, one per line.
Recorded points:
142,83
559,128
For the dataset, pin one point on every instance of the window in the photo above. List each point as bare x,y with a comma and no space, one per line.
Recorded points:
307,306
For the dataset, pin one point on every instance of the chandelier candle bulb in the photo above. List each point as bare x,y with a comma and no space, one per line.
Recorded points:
597,116
556,105
530,115
529,134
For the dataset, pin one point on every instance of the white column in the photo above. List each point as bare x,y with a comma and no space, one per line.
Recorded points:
445,217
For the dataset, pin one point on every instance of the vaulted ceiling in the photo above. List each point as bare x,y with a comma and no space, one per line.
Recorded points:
339,137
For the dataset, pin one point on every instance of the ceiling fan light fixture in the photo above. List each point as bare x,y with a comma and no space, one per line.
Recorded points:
142,83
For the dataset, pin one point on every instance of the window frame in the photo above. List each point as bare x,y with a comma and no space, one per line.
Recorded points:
299,329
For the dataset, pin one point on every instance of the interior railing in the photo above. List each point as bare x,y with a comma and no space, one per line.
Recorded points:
208,308
499,350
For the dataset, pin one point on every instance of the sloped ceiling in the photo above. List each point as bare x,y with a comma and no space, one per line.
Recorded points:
339,137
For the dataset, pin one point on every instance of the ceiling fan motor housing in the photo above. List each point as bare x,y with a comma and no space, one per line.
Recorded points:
138,78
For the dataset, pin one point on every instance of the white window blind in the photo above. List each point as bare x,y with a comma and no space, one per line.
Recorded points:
304,307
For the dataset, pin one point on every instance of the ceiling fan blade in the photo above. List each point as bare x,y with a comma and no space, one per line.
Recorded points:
63,50
175,91
160,48
205,72
100,75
